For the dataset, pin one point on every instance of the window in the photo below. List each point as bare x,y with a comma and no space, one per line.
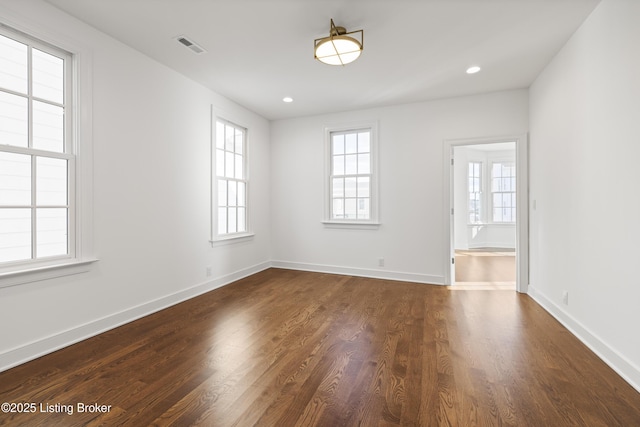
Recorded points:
37,159
503,191
475,192
230,182
351,178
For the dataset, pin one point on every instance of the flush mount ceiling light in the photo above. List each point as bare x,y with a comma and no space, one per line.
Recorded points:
339,48
473,70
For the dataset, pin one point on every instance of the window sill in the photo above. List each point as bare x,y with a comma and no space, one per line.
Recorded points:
234,238
352,225
36,274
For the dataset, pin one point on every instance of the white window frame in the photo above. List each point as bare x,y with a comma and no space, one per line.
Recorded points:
247,233
374,221
480,191
491,192
77,152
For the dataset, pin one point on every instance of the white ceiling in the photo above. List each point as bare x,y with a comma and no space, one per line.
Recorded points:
261,51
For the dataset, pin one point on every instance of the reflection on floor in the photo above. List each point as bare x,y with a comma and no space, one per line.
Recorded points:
485,268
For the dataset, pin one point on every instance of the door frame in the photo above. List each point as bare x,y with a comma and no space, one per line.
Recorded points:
522,205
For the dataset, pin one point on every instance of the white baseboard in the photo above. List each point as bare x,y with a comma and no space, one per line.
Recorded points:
361,272
19,355
35,349
500,245
624,367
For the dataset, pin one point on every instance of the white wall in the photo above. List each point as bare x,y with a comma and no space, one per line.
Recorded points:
411,141
584,177
151,174
487,234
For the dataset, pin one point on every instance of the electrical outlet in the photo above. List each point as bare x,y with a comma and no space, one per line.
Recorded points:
380,262
565,297
209,272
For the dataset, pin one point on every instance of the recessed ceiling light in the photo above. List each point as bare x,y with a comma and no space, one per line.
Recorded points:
473,70
287,99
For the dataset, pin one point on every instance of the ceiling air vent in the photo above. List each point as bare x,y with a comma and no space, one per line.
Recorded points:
193,46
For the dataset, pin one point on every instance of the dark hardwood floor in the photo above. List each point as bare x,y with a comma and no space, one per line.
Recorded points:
289,348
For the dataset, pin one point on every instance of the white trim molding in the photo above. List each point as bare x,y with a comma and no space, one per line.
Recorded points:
29,275
24,353
522,204
360,272
374,193
81,255
241,223
628,370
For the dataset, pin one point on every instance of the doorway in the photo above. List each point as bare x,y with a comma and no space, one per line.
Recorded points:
486,217
484,220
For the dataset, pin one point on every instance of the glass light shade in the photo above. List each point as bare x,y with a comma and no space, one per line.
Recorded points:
338,50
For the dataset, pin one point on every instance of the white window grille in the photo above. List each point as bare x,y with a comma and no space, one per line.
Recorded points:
230,180
37,158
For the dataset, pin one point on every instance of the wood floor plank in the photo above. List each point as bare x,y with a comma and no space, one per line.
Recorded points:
290,348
